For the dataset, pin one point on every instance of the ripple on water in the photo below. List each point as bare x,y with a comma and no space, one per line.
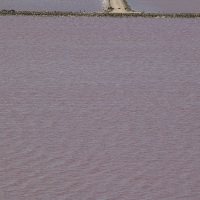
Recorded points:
99,108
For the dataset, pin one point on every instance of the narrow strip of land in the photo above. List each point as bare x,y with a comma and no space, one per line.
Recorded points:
98,14
117,6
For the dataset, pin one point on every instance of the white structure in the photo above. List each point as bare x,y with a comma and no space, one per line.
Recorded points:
118,6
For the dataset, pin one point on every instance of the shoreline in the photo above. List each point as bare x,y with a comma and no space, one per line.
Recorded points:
99,14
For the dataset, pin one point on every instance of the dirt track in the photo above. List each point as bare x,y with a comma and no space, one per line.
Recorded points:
118,6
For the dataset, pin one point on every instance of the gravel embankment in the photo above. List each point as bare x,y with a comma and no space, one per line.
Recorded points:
100,14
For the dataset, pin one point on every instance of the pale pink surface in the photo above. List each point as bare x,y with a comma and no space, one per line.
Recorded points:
166,5
96,5
99,108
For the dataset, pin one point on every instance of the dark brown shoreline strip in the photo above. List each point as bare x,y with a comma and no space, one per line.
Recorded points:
95,14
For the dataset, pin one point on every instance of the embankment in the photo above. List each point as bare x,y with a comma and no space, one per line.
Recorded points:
117,6
100,14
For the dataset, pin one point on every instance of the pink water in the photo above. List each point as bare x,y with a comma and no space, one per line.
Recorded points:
96,5
171,6
99,108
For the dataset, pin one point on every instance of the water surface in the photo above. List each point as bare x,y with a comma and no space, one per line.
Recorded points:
96,5
99,108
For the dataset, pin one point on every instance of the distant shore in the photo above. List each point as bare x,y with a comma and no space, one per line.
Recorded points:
99,14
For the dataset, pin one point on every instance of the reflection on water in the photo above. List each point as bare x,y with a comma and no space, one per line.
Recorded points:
99,108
